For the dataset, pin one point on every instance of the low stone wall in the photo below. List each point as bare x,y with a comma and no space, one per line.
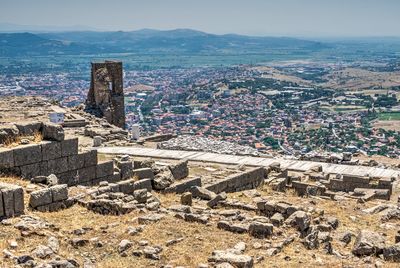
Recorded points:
11,200
51,199
183,185
315,182
348,183
60,158
239,182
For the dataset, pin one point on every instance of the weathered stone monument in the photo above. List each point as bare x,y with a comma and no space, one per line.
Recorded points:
106,94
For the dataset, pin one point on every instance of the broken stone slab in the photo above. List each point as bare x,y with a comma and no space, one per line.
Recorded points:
237,205
368,243
300,219
234,228
40,197
180,170
59,192
163,179
140,195
186,199
277,219
143,173
191,217
202,193
126,169
183,185
260,229
143,184
105,169
214,202
53,132
150,218
237,260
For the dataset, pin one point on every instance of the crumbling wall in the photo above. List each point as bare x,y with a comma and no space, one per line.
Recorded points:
51,199
239,182
106,96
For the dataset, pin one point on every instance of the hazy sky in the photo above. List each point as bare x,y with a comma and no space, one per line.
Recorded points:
253,17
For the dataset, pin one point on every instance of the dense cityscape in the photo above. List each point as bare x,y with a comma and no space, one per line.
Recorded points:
242,104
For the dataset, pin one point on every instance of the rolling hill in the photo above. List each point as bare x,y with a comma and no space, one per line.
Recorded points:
145,41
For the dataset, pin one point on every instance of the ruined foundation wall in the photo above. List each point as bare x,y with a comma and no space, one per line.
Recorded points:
239,182
60,158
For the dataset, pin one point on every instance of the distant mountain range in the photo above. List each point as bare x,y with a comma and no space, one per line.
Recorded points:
144,41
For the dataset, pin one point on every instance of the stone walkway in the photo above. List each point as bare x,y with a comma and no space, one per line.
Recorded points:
249,160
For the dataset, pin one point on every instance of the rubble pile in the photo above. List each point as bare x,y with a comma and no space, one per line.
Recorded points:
194,143
315,182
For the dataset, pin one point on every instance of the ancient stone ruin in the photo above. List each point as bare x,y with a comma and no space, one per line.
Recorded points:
106,94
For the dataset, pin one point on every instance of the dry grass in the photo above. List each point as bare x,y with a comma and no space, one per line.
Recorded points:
11,142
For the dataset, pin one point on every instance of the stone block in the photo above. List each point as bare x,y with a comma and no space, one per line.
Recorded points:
11,199
8,201
41,197
87,174
6,158
105,169
180,170
57,166
144,173
70,178
76,161
114,187
183,186
69,147
115,177
59,192
127,186
27,154
260,230
19,201
53,132
125,168
90,158
51,150
30,171
143,184
29,128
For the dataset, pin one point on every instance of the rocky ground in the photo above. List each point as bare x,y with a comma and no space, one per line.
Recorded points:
260,228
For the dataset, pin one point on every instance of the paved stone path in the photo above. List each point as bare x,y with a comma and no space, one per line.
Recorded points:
249,160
